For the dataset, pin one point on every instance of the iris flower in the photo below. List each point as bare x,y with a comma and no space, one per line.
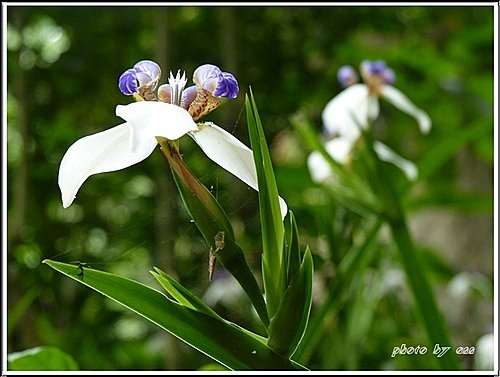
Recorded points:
169,112
355,108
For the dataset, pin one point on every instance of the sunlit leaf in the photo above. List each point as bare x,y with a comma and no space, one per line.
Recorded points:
221,340
182,295
41,358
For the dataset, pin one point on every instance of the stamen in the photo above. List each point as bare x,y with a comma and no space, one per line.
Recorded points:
178,83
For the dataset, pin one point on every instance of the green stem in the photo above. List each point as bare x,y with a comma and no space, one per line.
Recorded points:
417,280
211,220
423,294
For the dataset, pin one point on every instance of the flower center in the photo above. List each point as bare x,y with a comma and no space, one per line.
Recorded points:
177,84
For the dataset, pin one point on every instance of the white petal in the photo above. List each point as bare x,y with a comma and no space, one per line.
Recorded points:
231,154
318,167
373,108
151,118
339,148
398,99
388,155
348,111
98,153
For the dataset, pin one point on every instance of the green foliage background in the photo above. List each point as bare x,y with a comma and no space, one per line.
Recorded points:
128,221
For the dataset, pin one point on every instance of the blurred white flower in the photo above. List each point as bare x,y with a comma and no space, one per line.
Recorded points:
354,109
484,352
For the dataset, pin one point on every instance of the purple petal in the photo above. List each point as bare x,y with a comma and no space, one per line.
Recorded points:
378,67
207,76
347,76
227,86
220,84
144,72
128,82
365,68
188,96
389,76
147,71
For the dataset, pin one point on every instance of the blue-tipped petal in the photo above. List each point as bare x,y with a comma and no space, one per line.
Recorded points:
188,96
207,76
165,93
365,68
220,84
127,83
389,76
227,86
347,76
147,71
377,67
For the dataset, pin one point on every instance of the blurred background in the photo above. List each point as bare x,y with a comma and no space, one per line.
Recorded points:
63,65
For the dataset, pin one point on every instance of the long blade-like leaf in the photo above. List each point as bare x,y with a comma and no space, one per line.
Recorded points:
43,358
292,254
353,264
221,340
444,149
182,295
289,324
273,263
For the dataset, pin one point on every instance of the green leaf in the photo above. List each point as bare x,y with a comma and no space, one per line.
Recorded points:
41,358
221,340
289,324
273,265
18,309
211,220
182,295
451,198
353,264
187,298
448,146
292,253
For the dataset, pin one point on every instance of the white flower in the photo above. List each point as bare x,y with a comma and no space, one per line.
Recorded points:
131,142
134,140
354,109
338,148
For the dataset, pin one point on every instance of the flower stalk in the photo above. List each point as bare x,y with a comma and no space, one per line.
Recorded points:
418,283
211,219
